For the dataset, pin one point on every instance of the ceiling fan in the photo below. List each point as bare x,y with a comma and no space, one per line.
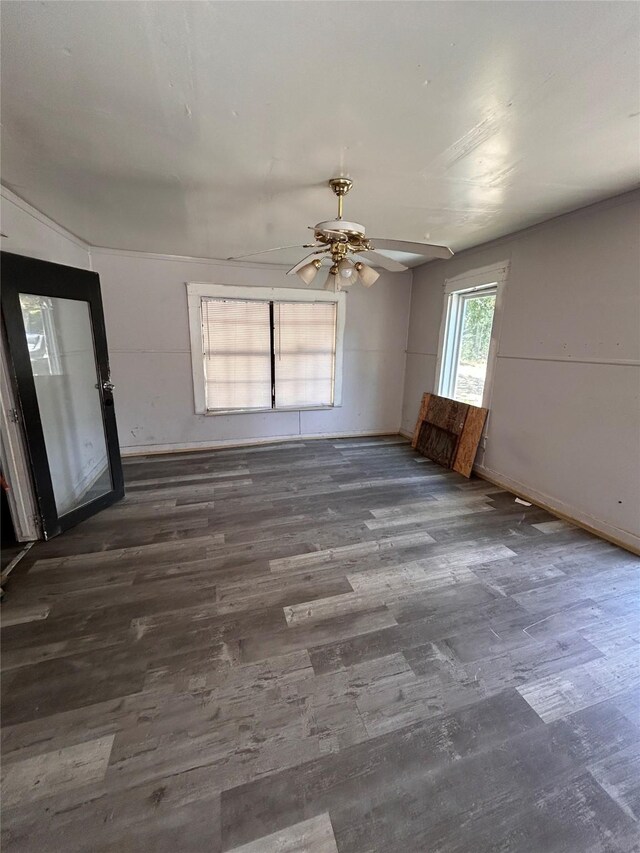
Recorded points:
337,240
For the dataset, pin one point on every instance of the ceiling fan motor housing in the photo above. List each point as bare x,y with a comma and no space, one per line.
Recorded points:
335,228
341,237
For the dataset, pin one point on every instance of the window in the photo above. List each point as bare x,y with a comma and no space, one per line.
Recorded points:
236,339
305,348
256,349
467,345
469,335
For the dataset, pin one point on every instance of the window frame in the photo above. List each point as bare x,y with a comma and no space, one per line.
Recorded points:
483,281
197,290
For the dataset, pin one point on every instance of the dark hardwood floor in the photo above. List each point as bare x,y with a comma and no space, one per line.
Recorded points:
315,647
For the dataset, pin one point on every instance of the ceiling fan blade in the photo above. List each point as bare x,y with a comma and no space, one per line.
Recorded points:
264,251
426,249
305,261
382,261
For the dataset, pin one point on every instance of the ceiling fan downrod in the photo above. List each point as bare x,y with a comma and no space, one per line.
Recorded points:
341,187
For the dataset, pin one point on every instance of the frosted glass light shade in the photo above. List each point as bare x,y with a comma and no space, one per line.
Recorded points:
368,276
330,283
346,271
309,271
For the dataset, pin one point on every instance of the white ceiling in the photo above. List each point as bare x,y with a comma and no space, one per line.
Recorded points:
210,129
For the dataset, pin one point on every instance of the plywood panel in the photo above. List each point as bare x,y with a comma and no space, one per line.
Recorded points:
422,414
447,414
469,440
437,444
448,432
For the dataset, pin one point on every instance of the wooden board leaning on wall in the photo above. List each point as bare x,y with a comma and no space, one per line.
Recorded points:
449,432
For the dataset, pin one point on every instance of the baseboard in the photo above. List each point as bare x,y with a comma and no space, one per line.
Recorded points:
405,433
228,444
615,535
92,477
82,487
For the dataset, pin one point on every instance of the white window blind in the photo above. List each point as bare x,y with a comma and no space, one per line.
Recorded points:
237,354
305,346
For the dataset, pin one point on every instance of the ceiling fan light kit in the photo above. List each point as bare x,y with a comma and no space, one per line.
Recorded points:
338,238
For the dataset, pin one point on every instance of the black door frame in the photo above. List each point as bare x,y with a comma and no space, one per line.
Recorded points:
42,278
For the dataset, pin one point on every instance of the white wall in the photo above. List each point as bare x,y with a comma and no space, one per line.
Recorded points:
564,423
31,233
147,331
147,327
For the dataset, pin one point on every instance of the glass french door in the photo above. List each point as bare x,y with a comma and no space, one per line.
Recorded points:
57,345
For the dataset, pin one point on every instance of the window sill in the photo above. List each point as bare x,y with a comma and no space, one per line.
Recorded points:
214,412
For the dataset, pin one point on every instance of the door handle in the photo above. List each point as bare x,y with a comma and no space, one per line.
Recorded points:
108,386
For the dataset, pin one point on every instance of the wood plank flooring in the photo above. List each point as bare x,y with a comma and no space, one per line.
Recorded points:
319,647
